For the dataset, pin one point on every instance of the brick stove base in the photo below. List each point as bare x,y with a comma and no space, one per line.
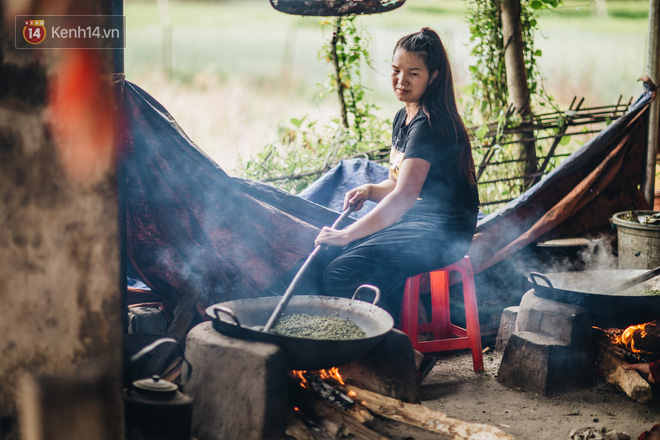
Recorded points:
550,348
239,388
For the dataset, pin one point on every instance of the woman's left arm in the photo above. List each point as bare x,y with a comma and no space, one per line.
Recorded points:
412,175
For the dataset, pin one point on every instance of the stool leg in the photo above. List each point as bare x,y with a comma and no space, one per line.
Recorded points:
472,317
440,316
409,309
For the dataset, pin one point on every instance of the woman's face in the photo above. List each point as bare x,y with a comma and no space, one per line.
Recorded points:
410,76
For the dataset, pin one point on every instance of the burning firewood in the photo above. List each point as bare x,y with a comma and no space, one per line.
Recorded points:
340,423
297,429
327,391
629,381
328,408
642,337
329,415
425,418
328,385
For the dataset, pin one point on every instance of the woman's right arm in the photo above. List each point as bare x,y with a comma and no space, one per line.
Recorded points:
370,191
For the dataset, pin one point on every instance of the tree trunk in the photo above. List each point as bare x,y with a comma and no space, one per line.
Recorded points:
516,78
335,61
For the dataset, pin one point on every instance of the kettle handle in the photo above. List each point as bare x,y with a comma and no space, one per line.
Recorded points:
137,356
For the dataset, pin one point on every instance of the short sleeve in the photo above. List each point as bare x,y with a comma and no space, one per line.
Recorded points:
422,141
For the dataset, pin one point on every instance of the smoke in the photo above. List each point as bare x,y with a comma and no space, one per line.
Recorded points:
192,231
599,254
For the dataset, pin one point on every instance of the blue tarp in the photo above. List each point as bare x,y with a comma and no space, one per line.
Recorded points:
330,188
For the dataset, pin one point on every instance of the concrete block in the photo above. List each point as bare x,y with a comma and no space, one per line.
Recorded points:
567,323
146,321
239,388
541,364
388,369
506,328
550,349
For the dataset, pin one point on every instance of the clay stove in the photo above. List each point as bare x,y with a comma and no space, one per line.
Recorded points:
240,388
551,346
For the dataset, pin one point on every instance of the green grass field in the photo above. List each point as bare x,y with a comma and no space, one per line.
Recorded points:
240,67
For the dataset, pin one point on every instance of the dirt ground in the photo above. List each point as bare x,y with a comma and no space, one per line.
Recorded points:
454,389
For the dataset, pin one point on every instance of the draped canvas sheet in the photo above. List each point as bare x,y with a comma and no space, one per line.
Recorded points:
191,228
598,180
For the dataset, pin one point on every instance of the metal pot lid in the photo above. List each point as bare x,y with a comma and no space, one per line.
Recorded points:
335,8
155,384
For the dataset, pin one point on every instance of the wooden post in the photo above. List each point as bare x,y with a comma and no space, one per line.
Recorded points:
516,79
59,235
653,72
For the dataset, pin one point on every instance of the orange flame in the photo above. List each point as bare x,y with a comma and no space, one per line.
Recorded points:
626,338
329,375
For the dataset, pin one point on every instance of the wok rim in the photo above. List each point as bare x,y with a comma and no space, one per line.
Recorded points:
386,326
306,353
557,276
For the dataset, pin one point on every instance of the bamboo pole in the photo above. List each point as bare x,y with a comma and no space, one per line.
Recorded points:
653,72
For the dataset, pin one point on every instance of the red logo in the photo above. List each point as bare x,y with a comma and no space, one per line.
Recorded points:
34,31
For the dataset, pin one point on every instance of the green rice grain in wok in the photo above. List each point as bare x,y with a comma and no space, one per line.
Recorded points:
329,328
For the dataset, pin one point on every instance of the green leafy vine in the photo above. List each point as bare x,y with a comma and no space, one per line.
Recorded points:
489,94
488,104
306,148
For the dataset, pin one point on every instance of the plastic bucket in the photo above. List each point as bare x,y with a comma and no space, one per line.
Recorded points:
638,243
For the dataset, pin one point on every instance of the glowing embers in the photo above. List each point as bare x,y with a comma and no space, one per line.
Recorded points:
641,338
325,383
630,335
636,343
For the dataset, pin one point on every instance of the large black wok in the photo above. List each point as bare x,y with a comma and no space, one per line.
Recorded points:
626,307
250,316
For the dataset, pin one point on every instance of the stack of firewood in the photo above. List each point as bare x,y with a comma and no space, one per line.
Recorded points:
614,356
326,416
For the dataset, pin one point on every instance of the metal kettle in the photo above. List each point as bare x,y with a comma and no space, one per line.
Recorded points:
155,408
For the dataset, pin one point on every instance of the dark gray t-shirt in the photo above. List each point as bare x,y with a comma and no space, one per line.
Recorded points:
446,191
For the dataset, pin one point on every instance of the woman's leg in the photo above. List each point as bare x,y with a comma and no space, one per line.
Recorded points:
386,259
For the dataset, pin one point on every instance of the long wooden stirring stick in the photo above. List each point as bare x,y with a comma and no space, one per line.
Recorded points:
289,291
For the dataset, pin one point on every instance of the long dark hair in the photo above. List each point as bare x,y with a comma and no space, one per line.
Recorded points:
439,100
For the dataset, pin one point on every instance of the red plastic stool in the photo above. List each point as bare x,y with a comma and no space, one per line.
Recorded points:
446,336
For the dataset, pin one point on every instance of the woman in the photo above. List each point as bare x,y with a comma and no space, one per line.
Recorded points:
427,208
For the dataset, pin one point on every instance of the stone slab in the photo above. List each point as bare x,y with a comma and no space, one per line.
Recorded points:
146,321
507,327
567,323
238,387
550,349
544,365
